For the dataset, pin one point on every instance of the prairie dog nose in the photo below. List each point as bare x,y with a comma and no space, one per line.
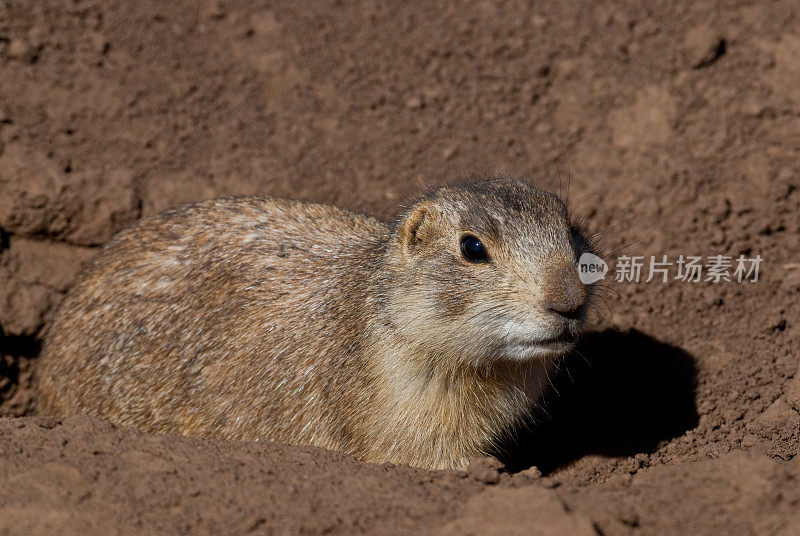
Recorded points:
564,292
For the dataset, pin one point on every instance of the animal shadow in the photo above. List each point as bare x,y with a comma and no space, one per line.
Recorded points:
620,394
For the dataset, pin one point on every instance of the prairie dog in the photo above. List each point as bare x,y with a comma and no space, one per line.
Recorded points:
422,341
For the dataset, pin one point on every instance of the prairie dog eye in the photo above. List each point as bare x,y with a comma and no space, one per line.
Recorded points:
473,250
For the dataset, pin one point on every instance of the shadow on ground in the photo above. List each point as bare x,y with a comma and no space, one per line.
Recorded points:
621,394
16,354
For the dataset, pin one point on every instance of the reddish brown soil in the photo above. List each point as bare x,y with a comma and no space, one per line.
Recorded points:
677,125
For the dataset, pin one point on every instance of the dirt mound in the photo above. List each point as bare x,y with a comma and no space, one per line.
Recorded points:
672,128
83,476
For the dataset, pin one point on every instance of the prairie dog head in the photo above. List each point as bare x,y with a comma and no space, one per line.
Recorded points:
488,271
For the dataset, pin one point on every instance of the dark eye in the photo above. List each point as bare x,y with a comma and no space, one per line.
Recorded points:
473,249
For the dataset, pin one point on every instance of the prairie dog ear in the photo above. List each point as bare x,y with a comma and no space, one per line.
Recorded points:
418,227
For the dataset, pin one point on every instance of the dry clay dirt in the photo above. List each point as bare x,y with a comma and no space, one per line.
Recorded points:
675,123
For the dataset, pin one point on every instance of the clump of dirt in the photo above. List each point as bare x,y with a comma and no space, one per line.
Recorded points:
671,128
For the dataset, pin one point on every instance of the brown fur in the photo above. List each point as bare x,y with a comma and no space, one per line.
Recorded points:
262,318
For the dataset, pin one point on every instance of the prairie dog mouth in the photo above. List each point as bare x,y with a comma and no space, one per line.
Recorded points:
541,348
564,338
